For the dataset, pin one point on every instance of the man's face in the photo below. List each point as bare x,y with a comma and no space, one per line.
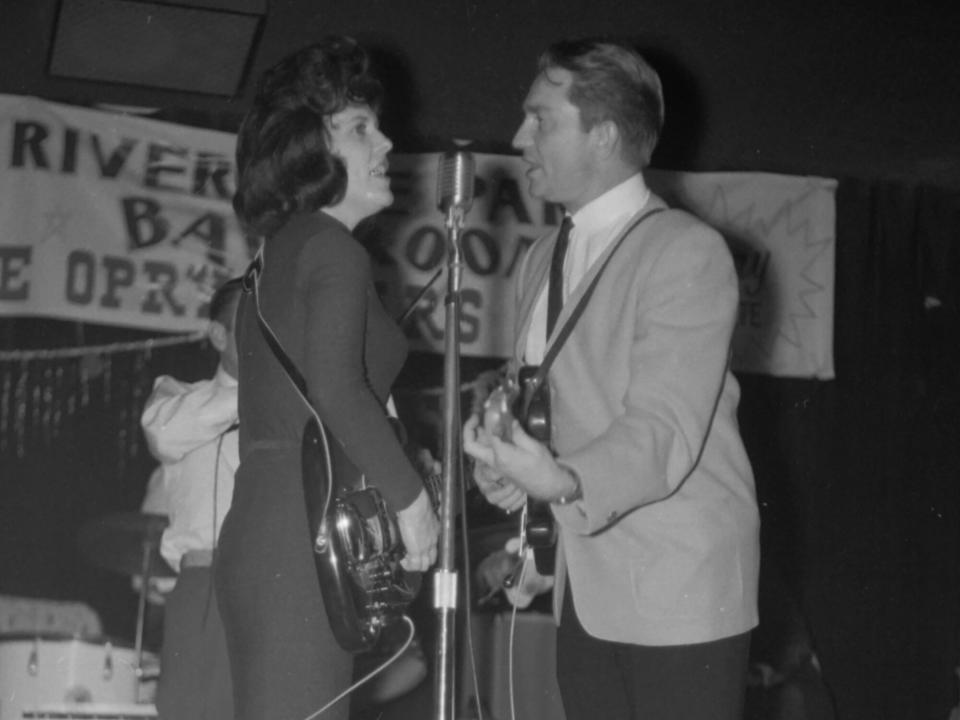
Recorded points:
554,144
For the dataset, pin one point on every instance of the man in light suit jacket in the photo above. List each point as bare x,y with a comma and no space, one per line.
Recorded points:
646,473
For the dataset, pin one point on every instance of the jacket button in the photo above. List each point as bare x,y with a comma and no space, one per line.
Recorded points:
612,516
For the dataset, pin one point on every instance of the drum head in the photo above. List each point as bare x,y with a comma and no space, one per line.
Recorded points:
38,670
91,711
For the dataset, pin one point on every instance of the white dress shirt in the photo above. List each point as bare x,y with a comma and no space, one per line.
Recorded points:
595,226
187,426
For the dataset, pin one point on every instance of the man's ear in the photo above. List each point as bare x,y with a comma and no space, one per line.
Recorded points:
606,137
217,332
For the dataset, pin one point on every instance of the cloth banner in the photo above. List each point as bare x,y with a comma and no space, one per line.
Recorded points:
118,220
780,230
112,219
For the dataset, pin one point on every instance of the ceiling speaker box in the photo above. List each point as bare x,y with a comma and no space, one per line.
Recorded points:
201,46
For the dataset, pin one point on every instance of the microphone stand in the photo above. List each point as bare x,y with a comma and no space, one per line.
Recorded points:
445,576
148,549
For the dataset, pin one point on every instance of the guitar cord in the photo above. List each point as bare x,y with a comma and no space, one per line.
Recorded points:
515,579
370,675
511,644
215,511
402,317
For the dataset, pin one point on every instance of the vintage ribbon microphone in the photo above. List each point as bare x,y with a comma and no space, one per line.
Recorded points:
454,198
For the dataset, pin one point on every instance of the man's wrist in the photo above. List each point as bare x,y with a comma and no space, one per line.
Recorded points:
574,494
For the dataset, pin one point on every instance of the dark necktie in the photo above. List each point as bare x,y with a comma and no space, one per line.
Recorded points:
555,288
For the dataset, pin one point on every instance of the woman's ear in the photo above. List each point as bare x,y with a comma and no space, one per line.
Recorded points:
217,332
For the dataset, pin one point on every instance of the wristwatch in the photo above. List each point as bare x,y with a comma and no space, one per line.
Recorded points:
573,495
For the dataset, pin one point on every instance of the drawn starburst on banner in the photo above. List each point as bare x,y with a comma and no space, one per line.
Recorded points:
791,222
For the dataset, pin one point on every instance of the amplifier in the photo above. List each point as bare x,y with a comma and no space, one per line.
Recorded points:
536,695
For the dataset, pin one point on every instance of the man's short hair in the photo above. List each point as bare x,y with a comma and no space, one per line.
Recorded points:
612,81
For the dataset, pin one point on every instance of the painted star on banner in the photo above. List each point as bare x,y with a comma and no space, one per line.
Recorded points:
55,223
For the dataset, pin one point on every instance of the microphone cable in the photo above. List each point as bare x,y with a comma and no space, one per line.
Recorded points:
401,318
511,636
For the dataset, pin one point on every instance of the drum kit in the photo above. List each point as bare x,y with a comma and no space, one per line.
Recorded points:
46,675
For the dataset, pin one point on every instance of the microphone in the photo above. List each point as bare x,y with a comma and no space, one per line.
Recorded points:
455,185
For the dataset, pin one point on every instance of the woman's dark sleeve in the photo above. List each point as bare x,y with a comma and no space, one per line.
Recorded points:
336,312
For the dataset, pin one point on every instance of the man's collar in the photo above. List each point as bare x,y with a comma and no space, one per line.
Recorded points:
600,212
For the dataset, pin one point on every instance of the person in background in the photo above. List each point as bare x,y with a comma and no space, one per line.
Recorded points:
655,586
311,164
191,428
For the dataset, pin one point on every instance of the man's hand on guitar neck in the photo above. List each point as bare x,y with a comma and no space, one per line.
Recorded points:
506,472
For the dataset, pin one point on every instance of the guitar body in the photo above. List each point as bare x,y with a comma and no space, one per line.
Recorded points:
356,545
534,416
529,403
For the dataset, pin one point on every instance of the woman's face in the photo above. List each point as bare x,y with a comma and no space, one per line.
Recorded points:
356,139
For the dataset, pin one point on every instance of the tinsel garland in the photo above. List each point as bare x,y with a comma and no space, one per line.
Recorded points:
46,395
42,391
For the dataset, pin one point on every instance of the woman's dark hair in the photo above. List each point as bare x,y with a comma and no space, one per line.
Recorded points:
284,163
611,81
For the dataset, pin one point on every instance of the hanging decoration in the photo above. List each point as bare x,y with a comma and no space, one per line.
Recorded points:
42,392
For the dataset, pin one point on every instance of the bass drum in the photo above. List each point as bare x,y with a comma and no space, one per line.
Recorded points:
37,670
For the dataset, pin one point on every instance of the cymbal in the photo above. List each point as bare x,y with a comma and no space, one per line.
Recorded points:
120,542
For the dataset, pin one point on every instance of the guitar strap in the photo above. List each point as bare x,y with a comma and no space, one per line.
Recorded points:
541,374
363,587
251,285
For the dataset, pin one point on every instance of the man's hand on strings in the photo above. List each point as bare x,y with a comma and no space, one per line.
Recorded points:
524,462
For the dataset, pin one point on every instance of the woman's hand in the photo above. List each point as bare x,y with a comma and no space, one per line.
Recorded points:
420,531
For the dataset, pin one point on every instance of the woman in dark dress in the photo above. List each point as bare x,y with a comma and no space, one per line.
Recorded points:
312,163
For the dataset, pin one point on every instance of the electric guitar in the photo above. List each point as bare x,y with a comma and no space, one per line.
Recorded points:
354,537
356,545
529,403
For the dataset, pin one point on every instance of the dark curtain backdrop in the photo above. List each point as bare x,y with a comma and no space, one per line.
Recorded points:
857,477
76,452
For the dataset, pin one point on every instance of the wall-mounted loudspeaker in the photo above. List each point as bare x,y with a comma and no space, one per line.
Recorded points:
202,46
